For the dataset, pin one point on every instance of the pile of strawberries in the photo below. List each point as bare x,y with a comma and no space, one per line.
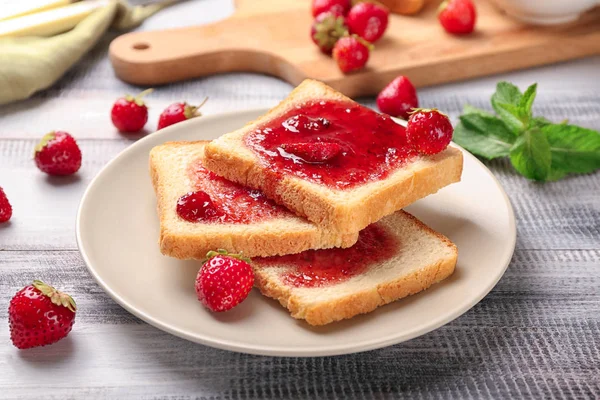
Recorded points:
348,31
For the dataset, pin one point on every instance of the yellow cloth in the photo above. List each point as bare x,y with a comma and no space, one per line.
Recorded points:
30,64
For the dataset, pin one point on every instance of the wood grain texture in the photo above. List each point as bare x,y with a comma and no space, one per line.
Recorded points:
536,335
271,37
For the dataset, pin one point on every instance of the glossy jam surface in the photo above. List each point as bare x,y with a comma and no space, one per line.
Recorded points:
234,203
316,268
373,145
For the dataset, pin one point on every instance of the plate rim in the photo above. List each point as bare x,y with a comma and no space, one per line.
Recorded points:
268,350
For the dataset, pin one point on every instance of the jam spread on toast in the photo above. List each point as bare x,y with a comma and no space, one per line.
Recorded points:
234,203
333,143
317,268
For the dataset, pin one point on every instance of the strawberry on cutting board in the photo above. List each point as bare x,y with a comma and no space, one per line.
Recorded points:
457,16
368,20
40,315
338,6
351,53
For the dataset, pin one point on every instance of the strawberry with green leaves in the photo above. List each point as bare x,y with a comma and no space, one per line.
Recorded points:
178,112
40,315
224,280
538,148
129,114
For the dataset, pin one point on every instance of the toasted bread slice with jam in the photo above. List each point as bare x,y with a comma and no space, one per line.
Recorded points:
344,205
253,224
393,258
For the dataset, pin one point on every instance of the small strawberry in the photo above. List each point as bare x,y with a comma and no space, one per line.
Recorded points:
327,29
351,53
457,16
40,315
58,154
129,114
398,98
197,206
178,112
429,131
5,207
224,281
315,152
368,20
339,6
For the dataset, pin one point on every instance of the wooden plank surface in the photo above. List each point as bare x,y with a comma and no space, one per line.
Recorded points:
272,37
536,335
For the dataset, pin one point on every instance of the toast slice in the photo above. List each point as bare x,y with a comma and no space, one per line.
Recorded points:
324,286
341,209
176,169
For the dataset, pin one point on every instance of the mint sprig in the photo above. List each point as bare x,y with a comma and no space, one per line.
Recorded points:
538,148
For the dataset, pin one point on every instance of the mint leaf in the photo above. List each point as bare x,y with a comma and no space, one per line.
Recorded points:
506,93
484,135
538,122
526,103
531,155
506,102
469,109
573,149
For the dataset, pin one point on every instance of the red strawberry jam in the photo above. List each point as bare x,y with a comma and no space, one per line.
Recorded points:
372,144
315,268
230,202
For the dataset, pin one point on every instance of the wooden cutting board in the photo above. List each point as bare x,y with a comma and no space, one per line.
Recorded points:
272,37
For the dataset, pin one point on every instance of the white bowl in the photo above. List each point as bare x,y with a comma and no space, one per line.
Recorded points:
546,12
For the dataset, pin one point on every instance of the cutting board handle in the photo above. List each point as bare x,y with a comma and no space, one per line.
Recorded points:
159,57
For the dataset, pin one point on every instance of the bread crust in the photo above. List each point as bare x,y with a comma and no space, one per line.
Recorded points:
339,210
186,240
366,300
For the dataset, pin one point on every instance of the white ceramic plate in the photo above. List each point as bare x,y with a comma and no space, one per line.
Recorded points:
117,232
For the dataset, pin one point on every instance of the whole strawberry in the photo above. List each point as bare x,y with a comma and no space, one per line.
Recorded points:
351,53
178,112
398,98
341,7
457,16
224,281
368,20
129,114
429,131
58,154
327,29
5,207
315,152
40,315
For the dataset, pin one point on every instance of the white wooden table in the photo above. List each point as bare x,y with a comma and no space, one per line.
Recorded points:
536,335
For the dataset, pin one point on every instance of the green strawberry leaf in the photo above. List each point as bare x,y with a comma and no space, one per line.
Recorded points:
531,155
483,135
573,149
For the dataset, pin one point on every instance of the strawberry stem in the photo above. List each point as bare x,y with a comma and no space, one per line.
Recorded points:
223,252
192,111
139,98
57,297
